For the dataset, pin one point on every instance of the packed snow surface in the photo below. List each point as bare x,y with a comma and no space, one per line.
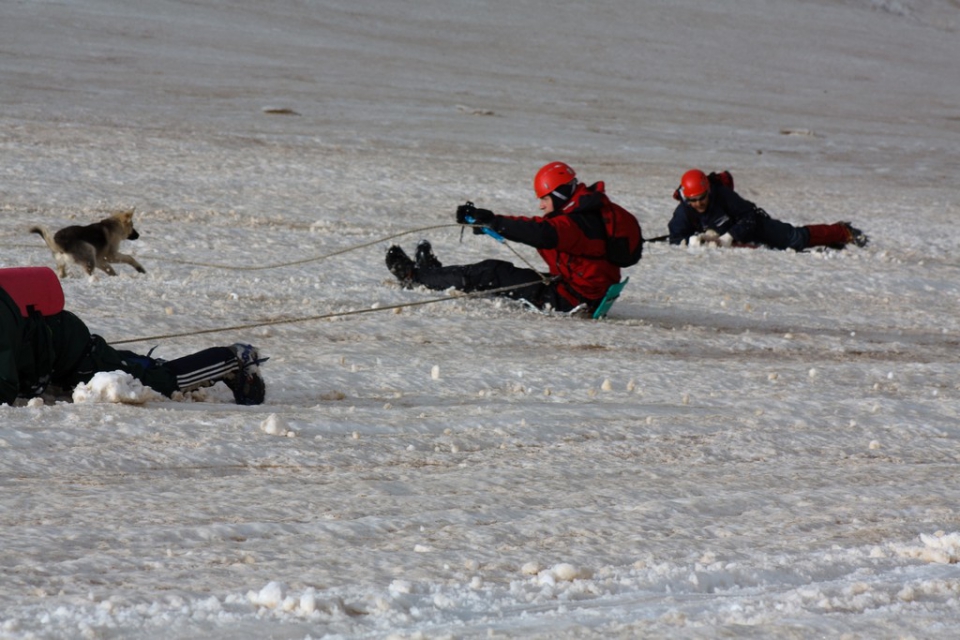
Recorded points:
754,443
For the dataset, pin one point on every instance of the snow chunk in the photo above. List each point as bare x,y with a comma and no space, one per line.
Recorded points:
939,548
308,602
563,572
401,587
275,425
271,596
116,387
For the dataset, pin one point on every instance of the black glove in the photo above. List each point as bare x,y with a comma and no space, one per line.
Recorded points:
469,214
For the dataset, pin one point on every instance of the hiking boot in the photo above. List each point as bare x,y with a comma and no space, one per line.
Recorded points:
857,237
425,258
247,383
400,265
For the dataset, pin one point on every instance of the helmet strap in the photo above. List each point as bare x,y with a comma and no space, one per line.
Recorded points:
564,191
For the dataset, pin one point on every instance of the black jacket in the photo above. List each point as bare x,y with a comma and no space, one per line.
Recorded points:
37,350
727,212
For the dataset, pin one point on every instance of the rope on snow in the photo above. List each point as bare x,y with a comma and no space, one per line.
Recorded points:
327,316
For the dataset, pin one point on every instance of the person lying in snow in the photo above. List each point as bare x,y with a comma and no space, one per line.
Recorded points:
570,236
41,344
712,212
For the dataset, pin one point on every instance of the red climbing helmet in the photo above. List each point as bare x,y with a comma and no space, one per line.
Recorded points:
551,176
694,183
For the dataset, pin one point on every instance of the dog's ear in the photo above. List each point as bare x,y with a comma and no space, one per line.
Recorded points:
126,215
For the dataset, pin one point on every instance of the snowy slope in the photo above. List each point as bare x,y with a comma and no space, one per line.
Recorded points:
754,443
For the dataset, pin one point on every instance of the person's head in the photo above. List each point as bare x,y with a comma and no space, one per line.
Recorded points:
554,184
695,189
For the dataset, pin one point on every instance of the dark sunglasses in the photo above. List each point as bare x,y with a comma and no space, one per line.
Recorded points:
695,200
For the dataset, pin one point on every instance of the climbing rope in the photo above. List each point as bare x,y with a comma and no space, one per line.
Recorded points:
338,253
326,316
263,267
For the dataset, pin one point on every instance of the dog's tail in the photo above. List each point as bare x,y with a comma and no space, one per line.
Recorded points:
43,233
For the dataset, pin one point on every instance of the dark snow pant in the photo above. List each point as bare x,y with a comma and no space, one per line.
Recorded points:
182,374
780,235
495,274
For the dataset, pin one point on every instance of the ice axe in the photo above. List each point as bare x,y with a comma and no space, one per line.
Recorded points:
487,230
471,220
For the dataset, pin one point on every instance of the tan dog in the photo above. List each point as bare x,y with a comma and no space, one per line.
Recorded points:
94,245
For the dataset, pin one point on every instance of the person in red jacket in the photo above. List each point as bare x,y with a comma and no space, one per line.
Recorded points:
569,235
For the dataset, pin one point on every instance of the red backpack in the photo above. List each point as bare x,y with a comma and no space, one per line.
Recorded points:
716,177
624,236
34,289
